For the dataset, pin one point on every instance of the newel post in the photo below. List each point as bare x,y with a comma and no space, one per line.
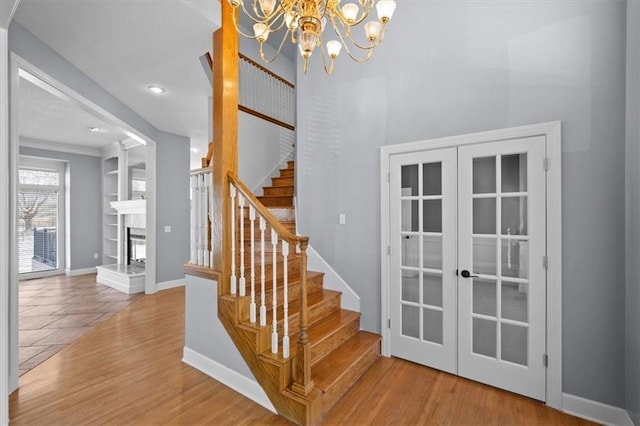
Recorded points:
302,383
225,140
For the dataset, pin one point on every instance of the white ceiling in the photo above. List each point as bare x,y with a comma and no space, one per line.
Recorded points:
127,45
40,111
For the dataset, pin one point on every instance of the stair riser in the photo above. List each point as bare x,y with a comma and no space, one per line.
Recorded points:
282,181
293,268
247,226
277,202
291,164
293,293
333,395
316,312
287,172
323,348
278,190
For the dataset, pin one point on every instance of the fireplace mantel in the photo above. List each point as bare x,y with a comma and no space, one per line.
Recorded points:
130,206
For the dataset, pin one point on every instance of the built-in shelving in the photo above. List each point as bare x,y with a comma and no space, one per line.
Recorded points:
110,189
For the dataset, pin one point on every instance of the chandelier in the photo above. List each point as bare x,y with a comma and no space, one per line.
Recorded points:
304,23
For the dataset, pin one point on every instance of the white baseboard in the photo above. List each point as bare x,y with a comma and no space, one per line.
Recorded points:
228,377
595,411
76,272
165,285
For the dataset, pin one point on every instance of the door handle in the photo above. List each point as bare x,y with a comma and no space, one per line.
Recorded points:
467,274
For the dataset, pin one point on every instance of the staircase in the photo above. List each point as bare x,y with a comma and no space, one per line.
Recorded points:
337,351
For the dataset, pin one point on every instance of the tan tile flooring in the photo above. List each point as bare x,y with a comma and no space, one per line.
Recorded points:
54,311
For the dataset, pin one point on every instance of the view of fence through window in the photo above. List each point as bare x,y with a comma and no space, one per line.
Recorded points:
38,220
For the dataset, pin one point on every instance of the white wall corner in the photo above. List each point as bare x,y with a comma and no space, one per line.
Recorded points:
165,285
595,411
333,281
236,381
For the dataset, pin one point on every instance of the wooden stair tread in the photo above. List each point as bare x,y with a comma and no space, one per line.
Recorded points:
329,371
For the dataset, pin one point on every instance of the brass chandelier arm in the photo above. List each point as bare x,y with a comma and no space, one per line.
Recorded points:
347,36
257,17
235,24
351,55
268,61
329,70
365,14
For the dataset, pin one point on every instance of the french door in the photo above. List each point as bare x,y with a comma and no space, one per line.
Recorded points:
468,284
40,217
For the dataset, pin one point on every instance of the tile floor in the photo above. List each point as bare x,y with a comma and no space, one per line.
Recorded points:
54,311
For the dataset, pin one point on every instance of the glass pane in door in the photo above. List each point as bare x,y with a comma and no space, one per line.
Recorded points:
37,229
500,219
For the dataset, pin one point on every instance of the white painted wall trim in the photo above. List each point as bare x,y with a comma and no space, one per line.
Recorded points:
76,272
59,147
332,280
552,132
166,285
4,224
239,383
595,411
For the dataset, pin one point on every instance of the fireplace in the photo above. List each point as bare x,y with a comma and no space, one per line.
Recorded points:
136,253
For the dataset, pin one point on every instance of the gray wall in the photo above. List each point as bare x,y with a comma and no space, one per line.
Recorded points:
204,333
449,68
85,205
632,295
172,206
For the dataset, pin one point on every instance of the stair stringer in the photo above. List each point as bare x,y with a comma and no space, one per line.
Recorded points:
305,410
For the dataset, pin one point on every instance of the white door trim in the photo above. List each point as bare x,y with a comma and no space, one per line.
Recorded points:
552,132
4,224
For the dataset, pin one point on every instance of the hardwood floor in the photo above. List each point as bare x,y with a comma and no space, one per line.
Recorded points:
127,370
54,311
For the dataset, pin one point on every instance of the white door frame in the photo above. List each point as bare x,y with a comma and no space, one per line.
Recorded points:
5,223
21,68
552,132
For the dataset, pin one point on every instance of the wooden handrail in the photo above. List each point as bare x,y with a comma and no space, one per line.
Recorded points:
266,214
206,160
266,118
265,70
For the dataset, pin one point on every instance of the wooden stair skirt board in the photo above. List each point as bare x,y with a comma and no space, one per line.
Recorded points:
340,352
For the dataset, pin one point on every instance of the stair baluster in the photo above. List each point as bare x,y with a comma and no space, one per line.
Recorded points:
194,224
263,306
274,285
243,281
285,300
204,207
252,306
232,190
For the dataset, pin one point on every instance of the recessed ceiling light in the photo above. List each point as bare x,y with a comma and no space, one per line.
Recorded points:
156,89
195,150
94,129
